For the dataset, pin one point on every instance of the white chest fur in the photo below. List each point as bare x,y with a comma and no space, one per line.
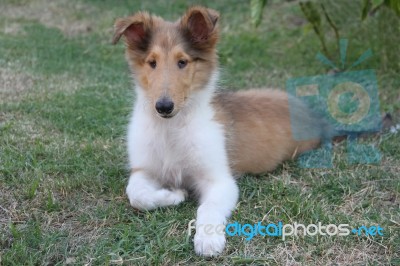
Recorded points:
178,149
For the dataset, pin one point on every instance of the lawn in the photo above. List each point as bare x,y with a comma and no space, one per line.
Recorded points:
65,97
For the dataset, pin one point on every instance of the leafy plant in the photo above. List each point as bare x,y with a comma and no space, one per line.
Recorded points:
371,6
313,16
256,9
315,13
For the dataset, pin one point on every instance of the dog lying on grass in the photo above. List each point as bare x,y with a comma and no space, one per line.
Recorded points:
184,136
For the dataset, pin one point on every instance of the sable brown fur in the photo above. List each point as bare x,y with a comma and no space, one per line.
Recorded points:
258,129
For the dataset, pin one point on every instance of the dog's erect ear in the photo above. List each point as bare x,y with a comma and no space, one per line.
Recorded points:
136,29
200,27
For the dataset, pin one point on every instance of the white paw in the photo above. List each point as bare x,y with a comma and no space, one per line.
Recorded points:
147,200
174,197
140,202
208,244
138,199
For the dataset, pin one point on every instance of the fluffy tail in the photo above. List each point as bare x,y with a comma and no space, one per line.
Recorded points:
385,124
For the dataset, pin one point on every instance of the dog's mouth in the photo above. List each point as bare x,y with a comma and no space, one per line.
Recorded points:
166,116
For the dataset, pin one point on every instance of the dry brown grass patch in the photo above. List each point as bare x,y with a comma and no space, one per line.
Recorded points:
54,14
14,85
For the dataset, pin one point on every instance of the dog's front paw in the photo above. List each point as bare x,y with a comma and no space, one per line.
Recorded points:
147,200
174,197
209,244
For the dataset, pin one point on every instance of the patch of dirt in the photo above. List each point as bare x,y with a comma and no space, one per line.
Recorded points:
371,194
8,207
13,29
365,252
17,83
13,84
67,16
359,254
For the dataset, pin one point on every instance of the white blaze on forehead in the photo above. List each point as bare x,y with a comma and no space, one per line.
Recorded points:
161,57
171,49
156,49
167,38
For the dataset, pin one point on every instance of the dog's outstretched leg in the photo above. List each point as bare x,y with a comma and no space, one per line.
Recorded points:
146,194
218,197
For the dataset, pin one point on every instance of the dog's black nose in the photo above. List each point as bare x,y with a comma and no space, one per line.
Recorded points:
164,106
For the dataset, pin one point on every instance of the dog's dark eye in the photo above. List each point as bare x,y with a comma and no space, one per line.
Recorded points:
182,63
153,64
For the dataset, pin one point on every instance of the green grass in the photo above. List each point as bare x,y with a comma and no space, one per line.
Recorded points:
65,97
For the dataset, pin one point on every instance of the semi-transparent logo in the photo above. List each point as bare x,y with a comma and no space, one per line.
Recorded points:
347,101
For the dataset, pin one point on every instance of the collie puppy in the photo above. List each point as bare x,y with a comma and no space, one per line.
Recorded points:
184,136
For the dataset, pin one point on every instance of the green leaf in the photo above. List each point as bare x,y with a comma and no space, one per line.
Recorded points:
307,28
394,5
366,8
256,9
373,5
311,13
376,3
